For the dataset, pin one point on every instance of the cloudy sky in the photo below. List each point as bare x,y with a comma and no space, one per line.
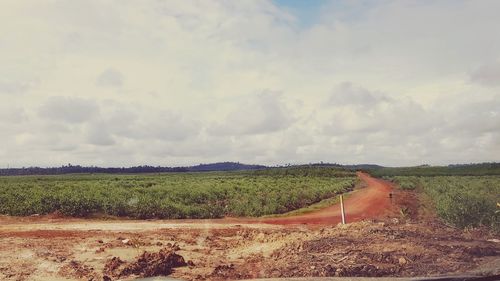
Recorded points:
120,83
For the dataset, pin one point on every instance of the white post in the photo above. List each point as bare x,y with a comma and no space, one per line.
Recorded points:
342,211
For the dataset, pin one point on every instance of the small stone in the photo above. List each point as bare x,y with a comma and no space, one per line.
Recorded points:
402,261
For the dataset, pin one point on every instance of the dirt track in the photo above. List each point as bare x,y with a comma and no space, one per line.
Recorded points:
369,202
48,248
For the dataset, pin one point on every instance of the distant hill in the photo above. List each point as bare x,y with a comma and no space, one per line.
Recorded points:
224,166
77,169
377,170
362,167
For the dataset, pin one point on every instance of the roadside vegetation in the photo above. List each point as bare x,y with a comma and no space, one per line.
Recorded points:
311,208
482,169
463,201
173,195
465,195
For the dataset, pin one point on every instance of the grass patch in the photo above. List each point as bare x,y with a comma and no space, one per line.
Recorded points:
311,208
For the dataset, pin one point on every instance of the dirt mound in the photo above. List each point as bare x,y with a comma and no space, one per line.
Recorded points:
146,265
154,264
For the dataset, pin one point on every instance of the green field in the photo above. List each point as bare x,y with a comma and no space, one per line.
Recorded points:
483,169
173,195
463,201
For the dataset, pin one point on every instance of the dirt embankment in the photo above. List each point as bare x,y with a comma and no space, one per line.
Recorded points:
389,243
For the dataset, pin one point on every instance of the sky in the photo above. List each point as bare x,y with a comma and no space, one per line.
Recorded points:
180,82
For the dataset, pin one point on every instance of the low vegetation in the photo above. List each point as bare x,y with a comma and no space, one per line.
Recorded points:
482,169
173,195
464,201
311,208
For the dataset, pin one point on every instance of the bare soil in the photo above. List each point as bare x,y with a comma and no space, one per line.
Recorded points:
386,236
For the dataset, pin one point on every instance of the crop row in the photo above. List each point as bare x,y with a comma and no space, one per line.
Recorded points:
182,195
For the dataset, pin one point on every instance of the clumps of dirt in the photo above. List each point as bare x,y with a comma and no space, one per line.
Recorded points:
366,270
224,270
111,267
147,264
228,272
20,273
154,264
133,242
120,242
380,249
481,251
78,270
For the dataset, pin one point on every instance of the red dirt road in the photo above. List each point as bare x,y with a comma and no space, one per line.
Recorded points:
369,202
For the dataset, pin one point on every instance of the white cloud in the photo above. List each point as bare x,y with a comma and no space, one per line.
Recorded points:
487,74
163,125
255,114
387,82
98,134
69,109
110,78
348,94
13,87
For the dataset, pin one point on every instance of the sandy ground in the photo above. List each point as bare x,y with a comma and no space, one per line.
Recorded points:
380,242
